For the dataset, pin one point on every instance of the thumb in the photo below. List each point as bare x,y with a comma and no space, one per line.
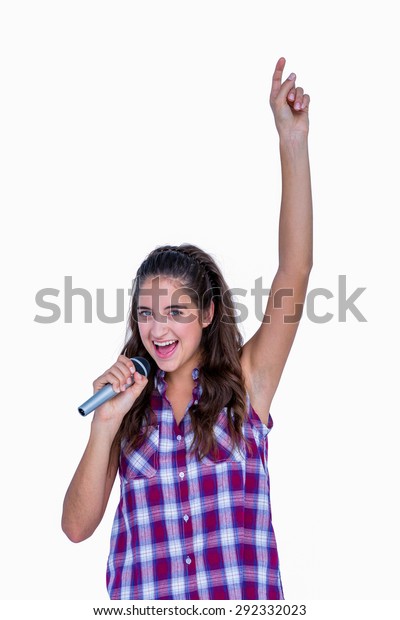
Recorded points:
285,88
140,382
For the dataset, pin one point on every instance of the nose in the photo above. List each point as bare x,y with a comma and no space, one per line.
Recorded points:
159,327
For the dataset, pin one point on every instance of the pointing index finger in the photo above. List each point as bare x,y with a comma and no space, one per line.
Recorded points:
277,76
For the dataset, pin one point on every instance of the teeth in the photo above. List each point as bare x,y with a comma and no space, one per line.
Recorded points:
164,344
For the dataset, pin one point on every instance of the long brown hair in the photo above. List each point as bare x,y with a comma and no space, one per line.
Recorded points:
220,371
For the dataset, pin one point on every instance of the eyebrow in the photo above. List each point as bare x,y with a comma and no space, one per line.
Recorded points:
185,306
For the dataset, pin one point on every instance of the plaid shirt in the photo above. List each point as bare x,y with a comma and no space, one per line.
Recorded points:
187,529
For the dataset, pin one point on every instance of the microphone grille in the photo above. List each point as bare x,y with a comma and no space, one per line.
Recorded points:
142,365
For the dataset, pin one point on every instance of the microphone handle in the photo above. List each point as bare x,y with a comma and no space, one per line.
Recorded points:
107,392
97,399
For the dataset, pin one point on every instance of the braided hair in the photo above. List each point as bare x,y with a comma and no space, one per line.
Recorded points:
187,251
197,259
220,371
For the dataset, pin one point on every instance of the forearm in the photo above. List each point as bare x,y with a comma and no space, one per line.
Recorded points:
87,495
295,223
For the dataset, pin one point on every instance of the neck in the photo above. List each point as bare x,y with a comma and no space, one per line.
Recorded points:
181,378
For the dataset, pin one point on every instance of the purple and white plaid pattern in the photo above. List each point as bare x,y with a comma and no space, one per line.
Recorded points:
190,530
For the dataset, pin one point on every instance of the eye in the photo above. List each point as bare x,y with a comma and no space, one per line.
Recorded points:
143,312
178,311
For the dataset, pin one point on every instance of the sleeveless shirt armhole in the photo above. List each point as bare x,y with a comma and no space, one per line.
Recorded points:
256,420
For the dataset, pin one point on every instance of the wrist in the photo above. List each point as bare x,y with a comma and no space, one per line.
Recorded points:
293,147
104,429
293,140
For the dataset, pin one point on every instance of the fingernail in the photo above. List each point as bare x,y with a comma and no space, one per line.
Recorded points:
297,106
291,96
292,76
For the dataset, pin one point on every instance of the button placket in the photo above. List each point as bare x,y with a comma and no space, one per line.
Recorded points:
180,462
186,528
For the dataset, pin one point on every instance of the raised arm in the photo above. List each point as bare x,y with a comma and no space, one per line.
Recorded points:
264,355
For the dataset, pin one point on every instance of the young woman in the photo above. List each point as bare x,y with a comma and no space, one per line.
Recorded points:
190,440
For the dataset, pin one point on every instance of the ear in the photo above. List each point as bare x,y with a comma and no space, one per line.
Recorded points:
208,315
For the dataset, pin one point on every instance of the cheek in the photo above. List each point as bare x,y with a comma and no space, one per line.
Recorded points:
194,333
186,329
143,330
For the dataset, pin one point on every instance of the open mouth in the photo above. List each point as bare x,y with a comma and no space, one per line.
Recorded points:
166,350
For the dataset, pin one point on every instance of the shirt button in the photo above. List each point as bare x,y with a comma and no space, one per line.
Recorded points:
179,437
188,560
186,517
181,474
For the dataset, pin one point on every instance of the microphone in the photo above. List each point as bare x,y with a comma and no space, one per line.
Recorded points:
141,365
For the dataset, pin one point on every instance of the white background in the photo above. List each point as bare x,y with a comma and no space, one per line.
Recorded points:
127,125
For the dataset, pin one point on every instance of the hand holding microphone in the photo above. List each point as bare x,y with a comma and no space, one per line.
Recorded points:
117,389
